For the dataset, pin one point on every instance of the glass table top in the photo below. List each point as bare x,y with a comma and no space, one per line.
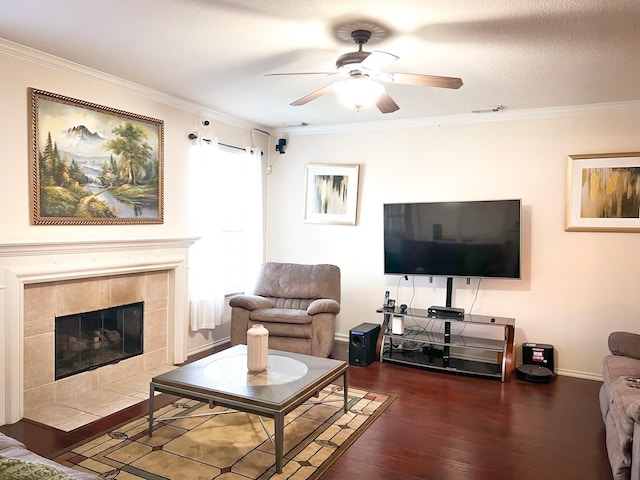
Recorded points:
233,369
224,375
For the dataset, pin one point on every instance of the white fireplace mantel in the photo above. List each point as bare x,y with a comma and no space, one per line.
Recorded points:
27,263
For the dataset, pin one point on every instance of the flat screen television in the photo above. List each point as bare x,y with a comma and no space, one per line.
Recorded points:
453,239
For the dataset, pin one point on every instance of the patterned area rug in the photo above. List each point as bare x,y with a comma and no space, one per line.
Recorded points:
230,446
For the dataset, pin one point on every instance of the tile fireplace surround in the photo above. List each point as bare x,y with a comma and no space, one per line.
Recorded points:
44,279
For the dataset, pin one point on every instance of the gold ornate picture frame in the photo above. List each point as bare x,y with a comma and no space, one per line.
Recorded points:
94,165
331,194
603,192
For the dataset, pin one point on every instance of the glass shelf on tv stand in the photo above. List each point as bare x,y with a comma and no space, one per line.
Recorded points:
423,347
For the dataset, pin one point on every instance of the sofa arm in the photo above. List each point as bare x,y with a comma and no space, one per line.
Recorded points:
625,343
323,305
250,302
633,411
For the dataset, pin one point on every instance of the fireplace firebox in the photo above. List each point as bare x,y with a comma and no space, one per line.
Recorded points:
89,340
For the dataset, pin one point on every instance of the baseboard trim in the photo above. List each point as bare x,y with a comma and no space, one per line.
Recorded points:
577,374
208,346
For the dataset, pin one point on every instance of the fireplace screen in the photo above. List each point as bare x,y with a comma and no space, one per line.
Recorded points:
89,340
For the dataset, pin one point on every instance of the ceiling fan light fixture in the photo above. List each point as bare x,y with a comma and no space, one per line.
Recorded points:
359,92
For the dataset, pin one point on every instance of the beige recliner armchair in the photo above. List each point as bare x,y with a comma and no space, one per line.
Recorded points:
296,303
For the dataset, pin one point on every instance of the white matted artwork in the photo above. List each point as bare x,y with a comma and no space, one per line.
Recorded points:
331,193
603,192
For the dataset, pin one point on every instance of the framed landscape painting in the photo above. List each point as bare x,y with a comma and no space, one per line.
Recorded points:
331,194
93,165
603,192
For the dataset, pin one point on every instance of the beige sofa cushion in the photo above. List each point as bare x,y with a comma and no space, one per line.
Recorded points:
289,280
27,463
279,315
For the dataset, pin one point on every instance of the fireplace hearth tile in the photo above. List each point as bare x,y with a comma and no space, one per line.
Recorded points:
153,305
155,337
39,397
38,352
95,295
131,391
76,422
39,302
120,371
157,286
88,407
42,302
123,402
127,289
53,414
140,383
95,400
71,387
39,327
155,358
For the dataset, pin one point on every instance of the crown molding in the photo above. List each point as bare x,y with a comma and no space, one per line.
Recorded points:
467,118
36,56
26,53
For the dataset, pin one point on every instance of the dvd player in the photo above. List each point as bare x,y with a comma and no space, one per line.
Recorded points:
446,312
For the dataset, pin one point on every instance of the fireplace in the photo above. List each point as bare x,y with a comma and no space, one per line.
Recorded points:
89,340
27,313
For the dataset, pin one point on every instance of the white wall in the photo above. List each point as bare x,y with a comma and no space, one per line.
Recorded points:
576,286
22,68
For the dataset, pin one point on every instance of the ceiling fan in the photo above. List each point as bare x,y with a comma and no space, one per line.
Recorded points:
362,69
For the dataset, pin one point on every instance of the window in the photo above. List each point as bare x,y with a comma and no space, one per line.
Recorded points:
231,167
226,208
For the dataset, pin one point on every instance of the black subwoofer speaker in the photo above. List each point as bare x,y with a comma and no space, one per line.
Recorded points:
362,344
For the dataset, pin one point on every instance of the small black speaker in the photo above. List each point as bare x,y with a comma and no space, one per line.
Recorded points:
280,145
362,344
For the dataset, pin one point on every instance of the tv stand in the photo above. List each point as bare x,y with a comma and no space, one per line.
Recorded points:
449,291
454,346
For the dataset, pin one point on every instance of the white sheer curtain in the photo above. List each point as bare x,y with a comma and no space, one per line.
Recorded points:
209,211
253,228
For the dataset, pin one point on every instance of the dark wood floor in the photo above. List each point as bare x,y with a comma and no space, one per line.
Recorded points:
441,426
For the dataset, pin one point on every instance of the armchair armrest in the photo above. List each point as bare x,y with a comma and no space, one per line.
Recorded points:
633,411
625,343
323,305
250,302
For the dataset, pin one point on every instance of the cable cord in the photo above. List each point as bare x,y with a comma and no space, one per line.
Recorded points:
413,294
413,288
398,288
475,296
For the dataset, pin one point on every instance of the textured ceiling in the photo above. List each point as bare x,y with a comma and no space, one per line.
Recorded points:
521,54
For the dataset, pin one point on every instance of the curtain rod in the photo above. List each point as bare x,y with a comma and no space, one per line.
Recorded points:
194,136
234,147
226,145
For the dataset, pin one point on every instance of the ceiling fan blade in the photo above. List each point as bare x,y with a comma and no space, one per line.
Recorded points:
313,95
386,104
299,73
377,61
423,80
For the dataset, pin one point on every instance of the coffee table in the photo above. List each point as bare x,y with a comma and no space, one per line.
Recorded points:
223,379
